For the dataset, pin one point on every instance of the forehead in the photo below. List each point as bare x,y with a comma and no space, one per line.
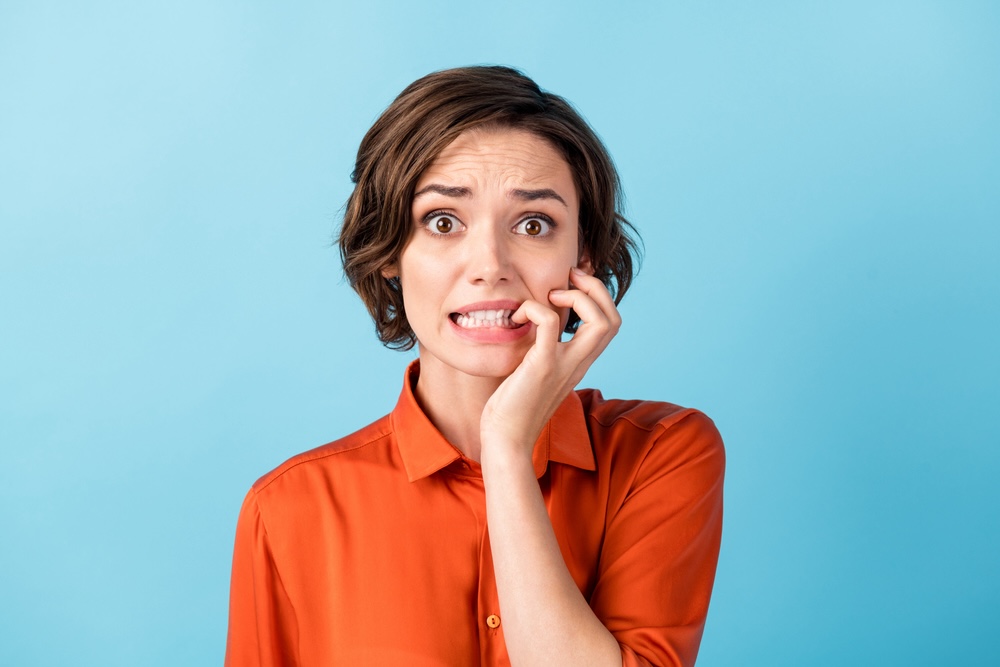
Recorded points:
504,155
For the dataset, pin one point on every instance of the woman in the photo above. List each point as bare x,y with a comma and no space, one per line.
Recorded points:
496,516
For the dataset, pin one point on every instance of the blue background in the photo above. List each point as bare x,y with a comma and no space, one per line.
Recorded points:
817,187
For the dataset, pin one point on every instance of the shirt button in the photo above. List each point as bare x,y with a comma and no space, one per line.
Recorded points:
493,621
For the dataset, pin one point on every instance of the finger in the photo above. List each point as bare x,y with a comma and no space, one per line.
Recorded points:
595,331
593,304
596,290
546,322
589,310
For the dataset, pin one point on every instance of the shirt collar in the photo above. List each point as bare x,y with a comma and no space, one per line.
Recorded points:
564,438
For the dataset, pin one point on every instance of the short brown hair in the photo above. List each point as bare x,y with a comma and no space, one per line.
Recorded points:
427,116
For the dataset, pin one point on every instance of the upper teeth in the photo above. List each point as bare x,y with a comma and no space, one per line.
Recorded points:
485,318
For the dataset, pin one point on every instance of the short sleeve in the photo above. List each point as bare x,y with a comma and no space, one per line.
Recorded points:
661,546
262,625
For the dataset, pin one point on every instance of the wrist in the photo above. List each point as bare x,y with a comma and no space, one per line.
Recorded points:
503,455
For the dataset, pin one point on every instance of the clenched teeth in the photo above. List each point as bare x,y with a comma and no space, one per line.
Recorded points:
485,318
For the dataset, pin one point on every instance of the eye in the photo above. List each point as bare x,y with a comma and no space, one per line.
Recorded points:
442,224
536,225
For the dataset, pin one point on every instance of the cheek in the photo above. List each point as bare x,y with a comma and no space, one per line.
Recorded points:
546,281
425,285
552,276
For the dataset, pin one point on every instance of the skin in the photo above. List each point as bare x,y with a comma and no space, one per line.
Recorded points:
473,210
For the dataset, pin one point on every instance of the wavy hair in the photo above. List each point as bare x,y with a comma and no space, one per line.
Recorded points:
425,118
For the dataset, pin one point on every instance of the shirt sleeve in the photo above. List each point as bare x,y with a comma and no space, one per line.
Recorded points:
262,624
661,546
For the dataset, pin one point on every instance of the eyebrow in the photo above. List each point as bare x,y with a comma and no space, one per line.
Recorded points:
524,195
447,191
533,195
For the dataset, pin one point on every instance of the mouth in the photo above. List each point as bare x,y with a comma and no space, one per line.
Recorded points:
487,315
487,318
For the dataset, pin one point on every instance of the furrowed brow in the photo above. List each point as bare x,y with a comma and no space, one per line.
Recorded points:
534,195
447,191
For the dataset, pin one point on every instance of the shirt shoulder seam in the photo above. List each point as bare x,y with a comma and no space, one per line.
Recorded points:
664,422
310,457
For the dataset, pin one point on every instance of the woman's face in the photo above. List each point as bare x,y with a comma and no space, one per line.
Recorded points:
495,223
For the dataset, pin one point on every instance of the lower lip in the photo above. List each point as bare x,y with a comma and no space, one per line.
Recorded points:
491,334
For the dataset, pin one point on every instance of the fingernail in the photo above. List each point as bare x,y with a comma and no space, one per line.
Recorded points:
556,291
578,271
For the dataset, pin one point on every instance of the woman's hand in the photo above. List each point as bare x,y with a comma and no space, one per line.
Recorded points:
519,408
547,621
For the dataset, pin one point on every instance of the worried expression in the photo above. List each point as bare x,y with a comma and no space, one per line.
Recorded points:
495,223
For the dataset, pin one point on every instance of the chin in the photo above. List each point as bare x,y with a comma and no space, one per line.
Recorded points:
492,365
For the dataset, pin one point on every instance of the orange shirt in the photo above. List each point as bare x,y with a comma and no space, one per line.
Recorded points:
374,549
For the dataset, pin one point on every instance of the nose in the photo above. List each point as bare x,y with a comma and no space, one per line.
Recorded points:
488,256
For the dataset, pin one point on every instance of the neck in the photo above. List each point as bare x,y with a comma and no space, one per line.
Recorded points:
454,402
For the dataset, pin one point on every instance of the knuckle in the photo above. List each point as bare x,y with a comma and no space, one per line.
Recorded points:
600,331
550,317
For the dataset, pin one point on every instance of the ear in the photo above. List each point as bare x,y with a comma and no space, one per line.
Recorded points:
584,263
390,271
